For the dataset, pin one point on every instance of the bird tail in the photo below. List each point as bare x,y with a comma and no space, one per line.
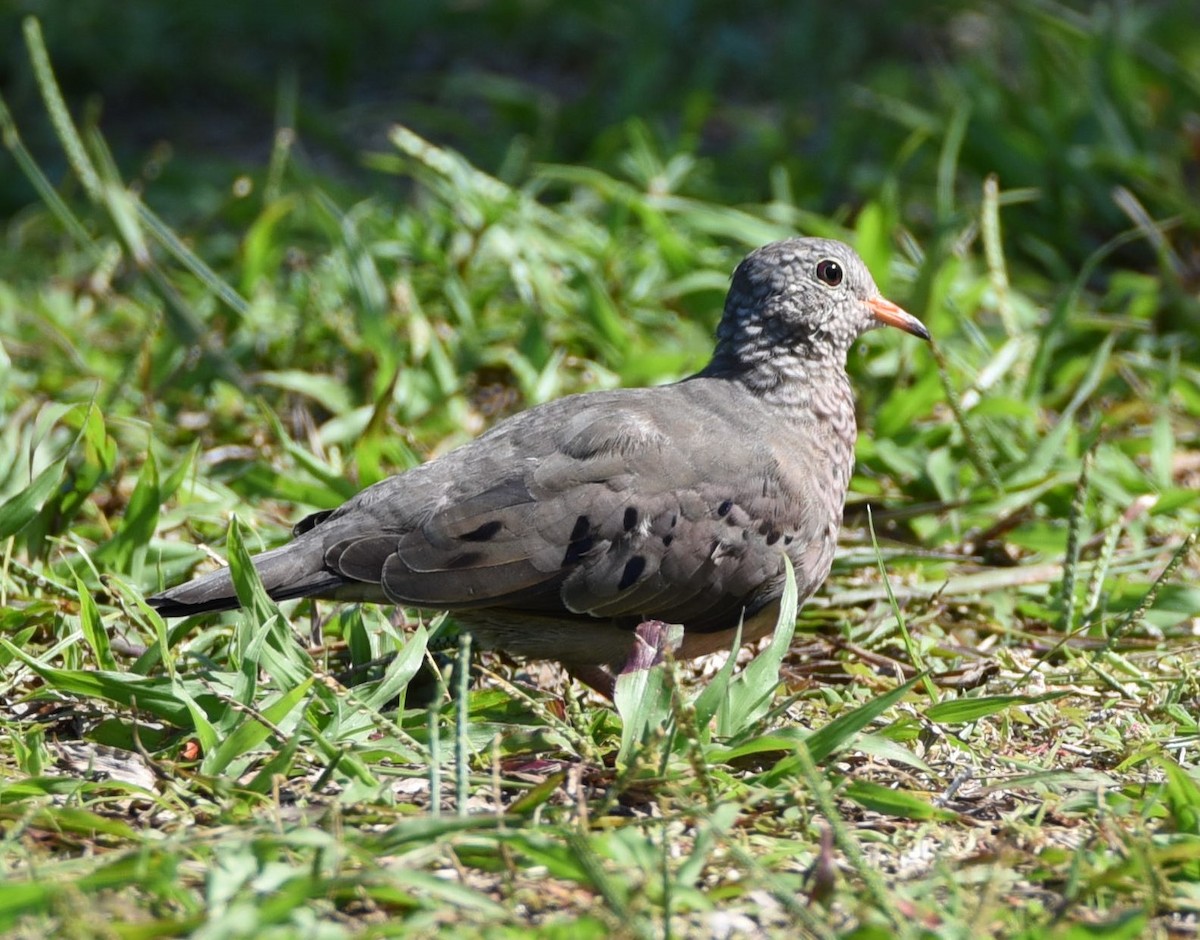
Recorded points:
293,570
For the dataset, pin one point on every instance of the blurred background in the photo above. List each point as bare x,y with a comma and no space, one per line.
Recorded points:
831,105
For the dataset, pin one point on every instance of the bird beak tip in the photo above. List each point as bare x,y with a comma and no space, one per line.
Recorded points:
890,314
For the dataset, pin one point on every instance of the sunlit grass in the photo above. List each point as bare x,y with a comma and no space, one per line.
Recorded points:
985,723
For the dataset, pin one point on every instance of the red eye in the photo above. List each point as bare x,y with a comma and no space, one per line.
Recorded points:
829,272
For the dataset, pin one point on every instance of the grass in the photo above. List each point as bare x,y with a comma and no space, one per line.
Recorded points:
984,725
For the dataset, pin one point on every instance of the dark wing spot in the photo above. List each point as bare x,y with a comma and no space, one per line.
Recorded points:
576,550
787,539
308,522
668,539
773,537
484,533
631,517
464,560
580,543
723,509
633,570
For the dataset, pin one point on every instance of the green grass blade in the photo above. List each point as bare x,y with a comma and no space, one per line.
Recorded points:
749,694
56,107
92,627
18,511
962,710
154,696
44,188
256,728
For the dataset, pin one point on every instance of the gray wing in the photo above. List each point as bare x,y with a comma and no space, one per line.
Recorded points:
594,507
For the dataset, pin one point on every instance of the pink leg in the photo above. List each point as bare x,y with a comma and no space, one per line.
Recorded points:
651,640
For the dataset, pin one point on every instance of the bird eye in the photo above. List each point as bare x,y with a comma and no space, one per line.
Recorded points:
829,272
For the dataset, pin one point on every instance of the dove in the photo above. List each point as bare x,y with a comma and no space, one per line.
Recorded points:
560,530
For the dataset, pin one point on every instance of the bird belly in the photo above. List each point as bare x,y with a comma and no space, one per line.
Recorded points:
532,637
600,643
754,628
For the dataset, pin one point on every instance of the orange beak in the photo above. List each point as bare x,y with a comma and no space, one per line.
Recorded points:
887,312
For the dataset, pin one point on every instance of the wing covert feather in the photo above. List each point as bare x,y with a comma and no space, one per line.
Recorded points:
601,511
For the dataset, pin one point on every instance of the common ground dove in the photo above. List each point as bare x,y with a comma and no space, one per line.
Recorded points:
560,530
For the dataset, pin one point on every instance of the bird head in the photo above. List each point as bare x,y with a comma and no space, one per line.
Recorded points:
808,297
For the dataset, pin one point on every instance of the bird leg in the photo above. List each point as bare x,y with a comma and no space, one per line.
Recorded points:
651,640
597,678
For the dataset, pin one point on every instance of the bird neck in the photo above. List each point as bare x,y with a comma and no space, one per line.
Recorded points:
811,405
786,375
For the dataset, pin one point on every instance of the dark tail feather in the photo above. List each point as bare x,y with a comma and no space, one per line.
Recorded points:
293,570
